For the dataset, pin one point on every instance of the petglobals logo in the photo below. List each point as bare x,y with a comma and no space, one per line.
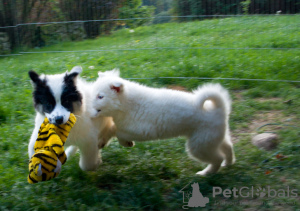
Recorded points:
192,196
251,192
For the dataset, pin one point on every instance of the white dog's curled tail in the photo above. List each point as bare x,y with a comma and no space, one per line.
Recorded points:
215,93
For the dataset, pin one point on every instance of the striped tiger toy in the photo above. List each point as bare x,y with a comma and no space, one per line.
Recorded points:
45,164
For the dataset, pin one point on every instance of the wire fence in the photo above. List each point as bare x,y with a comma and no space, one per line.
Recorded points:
28,36
31,27
35,24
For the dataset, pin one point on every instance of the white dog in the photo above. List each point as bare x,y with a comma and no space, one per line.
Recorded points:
55,97
141,113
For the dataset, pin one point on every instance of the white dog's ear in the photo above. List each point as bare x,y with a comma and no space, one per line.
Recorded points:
115,72
101,74
117,87
76,69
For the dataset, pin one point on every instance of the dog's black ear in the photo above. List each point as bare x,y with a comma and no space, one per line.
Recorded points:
73,74
35,78
70,78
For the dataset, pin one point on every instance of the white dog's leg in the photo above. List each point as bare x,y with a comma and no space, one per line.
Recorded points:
38,121
70,151
32,142
206,151
122,138
215,159
89,157
227,148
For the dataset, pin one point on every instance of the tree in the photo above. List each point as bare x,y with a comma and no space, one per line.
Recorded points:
95,13
7,19
13,12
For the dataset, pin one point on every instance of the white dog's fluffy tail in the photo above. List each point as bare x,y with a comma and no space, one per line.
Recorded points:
215,93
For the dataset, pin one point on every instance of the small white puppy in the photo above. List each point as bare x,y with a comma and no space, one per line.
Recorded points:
142,113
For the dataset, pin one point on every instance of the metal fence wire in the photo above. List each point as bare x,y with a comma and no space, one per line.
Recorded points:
28,26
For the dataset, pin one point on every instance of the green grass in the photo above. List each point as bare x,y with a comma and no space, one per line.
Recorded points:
150,175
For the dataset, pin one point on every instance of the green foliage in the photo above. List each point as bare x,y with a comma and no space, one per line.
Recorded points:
150,175
186,8
245,6
160,5
138,14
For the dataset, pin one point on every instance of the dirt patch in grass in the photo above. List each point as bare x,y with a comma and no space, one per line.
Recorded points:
262,121
264,118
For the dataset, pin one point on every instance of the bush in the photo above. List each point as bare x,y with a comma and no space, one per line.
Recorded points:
137,14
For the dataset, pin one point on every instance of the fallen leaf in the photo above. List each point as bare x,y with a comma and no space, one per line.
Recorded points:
281,157
267,172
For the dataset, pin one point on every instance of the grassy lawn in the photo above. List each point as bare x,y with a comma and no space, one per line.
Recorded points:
150,175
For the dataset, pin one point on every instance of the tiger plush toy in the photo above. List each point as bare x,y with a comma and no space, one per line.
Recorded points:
46,162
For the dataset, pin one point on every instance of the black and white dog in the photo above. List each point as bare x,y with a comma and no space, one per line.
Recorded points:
55,97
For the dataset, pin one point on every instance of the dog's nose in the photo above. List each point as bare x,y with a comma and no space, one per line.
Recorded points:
59,120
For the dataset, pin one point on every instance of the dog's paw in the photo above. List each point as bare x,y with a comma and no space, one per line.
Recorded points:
202,173
210,169
90,166
127,143
226,163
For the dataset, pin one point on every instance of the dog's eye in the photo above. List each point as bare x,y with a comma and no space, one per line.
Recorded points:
100,97
48,107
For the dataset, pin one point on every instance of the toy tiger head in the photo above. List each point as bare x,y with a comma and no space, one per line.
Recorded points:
46,162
